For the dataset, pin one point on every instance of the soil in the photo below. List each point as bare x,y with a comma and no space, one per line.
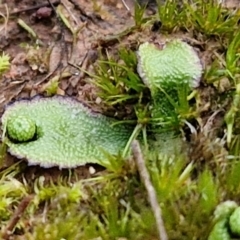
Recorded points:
36,60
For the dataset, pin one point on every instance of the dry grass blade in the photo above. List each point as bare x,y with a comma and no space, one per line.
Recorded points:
125,5
152,196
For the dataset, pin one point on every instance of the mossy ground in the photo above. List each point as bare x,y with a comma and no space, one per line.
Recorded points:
91,202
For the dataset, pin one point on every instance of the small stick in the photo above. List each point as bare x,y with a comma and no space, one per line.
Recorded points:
152,196
125,5
16,216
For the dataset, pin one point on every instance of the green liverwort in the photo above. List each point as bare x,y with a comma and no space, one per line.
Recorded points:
61,131
234,222
222,215
170,71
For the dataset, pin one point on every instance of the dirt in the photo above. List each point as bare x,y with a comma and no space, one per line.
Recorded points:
34,64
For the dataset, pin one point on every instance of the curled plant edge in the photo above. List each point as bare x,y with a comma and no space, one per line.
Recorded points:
68,134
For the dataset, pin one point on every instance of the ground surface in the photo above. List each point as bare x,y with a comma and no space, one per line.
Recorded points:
100,27
34,65
96,27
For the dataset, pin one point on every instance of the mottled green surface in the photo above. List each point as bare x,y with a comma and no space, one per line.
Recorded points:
21,129
68,133
225,209
170,71
220,231
169,65
222,215
234,222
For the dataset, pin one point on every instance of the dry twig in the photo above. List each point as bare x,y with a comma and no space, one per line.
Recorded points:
125,5
16,216
152,196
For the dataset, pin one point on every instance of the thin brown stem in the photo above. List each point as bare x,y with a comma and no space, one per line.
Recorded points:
16,217
152,196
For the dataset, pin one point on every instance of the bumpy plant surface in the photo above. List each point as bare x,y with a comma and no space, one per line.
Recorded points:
67,133
170,70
